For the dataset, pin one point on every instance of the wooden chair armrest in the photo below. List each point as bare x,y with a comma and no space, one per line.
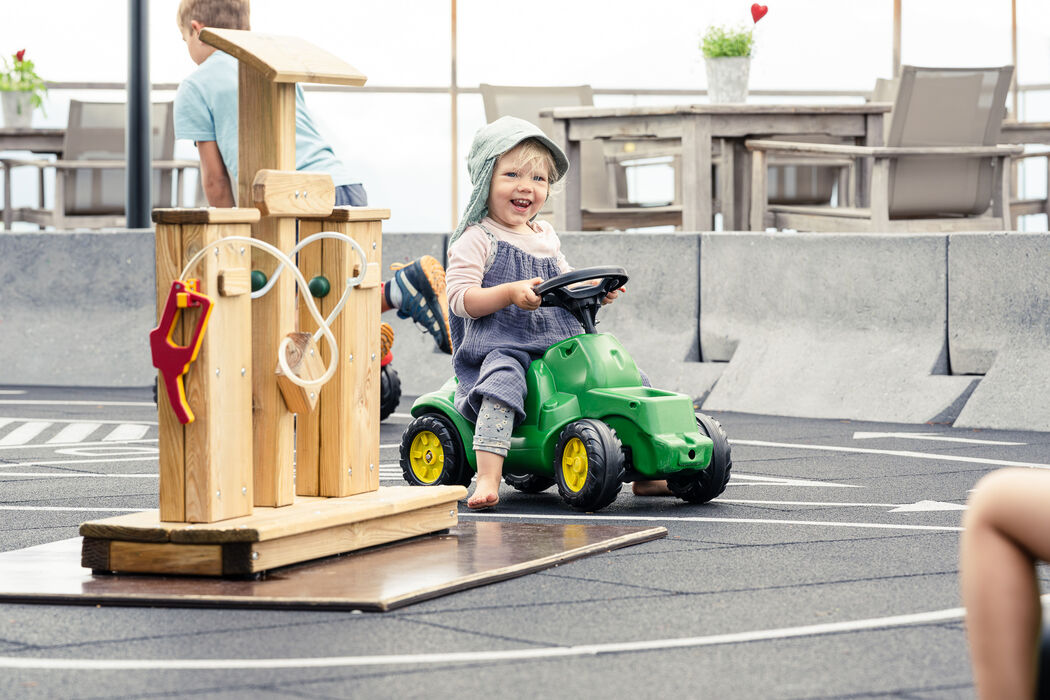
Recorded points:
117,164
829,149
18,162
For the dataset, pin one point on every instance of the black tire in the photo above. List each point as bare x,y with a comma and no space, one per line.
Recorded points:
529,483
703,486
588,464
431,453
389,391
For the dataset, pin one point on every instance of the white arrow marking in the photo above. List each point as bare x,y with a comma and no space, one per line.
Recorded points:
931,436
924,506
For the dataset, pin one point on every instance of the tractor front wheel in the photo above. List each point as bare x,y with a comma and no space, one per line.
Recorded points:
588,464
703,486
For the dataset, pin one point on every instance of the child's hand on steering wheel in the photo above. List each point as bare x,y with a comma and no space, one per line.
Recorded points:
523,295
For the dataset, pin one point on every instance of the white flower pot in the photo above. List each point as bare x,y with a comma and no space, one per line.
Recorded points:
18,108
727,78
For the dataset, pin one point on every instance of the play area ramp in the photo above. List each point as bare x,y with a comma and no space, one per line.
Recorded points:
382,578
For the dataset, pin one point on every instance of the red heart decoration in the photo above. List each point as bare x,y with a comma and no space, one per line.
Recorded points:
758,11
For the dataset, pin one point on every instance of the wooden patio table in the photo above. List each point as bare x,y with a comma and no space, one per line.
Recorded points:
699,126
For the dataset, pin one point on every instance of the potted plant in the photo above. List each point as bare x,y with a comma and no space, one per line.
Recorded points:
21,89
727,57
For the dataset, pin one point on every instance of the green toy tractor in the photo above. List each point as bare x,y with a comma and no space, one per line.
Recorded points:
590,423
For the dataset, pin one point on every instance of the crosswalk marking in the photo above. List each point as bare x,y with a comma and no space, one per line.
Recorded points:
74,432
24,433
127,431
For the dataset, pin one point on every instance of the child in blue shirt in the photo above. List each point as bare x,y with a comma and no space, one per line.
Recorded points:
206,113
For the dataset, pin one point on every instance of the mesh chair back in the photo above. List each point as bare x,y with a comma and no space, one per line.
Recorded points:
95,131
526,103
945,107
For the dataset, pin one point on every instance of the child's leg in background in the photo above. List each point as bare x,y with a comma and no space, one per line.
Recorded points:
491,442
1007,530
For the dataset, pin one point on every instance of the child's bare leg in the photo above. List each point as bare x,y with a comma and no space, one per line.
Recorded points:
1007,530
491,442
651,488
490,473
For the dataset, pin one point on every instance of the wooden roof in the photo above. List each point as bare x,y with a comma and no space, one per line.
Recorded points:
284,59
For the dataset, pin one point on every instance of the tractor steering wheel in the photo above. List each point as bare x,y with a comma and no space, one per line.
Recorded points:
582,301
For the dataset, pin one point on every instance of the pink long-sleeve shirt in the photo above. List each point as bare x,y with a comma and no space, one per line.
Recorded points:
471,255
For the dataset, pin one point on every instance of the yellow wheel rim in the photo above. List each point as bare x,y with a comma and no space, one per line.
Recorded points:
574,464
426,457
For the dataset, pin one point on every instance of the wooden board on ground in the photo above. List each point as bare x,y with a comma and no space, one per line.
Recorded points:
309,529
380,578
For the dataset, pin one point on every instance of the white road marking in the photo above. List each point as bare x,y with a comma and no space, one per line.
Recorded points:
78,510
61,462
607,517
74,432
489,656
920,506
931,436
82,444
896,453
31,402
24,433
78,475
12,392
4,421
402,416
784,481
127,431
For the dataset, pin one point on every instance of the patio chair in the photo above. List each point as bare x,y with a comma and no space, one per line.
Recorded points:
604,196
940,170
89,178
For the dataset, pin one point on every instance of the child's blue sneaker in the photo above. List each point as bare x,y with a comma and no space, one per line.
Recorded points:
422,286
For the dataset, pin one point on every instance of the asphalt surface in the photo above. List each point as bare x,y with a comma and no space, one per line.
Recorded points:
828,569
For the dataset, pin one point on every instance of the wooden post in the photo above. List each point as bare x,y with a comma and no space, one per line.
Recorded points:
270,66
205,466
337,445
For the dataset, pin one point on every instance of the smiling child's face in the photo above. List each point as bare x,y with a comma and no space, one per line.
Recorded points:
518,190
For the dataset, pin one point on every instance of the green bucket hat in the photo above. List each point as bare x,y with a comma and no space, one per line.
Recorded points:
492,141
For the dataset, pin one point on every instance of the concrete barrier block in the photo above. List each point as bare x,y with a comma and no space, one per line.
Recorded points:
999,326
420,366
829,326
656,320
76,308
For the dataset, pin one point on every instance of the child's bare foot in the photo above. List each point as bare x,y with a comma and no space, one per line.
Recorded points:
481,500
486,493
651,488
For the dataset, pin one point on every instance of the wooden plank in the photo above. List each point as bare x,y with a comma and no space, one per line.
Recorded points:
349,412
306,515
166,558
267,141
284,193
308,425
170,438
94,554
210,215
283,59
630,217
344,213
347,538
304,360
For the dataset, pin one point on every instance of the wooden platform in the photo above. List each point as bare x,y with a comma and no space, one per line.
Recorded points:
381,578
309,529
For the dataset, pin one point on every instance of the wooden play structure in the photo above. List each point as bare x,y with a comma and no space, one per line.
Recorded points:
235,499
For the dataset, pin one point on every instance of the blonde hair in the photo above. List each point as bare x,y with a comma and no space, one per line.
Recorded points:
531,153
220,14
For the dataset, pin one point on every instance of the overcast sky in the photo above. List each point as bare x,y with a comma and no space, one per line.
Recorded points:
400,144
